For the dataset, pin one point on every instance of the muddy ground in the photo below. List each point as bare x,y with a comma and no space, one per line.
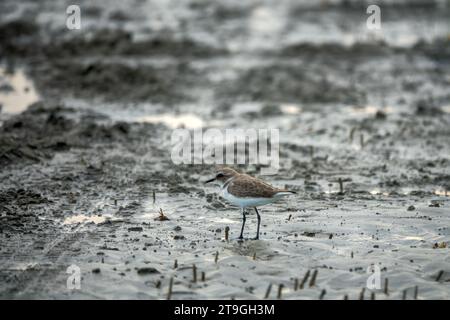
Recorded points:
85,125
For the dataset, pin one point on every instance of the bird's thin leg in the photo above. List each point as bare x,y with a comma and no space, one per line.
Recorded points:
259,222
243,224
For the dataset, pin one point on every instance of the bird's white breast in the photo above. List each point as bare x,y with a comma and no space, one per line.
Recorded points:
247,201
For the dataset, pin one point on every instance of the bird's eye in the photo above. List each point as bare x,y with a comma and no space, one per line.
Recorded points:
219,175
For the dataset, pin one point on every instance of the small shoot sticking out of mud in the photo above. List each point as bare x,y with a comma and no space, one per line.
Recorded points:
305,278
312,283
341,186
340,181
169,293
361,294
439,276
227,233
194,273
311,152
162,216
352,133
386,286
269,288
216,258
280,291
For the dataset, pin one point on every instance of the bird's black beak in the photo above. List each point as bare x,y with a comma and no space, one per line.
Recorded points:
210,180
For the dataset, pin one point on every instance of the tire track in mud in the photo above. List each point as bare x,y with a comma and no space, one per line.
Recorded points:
54,252
75,239
49,254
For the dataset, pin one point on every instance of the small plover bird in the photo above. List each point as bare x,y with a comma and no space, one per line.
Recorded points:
245,191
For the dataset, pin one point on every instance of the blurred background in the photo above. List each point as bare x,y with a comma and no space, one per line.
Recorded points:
138,58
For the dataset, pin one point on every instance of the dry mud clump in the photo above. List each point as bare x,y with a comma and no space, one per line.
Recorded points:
116,82
41,131
290,84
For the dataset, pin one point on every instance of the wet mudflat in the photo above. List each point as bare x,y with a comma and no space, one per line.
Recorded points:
85,125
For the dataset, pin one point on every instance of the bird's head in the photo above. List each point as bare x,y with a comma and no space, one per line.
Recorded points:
222,175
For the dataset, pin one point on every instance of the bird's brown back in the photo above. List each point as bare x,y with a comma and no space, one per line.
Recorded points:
245,186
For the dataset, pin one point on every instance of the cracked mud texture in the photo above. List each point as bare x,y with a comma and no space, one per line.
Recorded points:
85,168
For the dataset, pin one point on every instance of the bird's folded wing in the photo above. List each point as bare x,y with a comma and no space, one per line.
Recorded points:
249,187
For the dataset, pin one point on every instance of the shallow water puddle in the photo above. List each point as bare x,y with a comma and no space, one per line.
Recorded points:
265,20
446,109
444,193
413,238
378,192
368,110
189,121
143,113
17,93
226,220
438,192
246,107
80,218
290,108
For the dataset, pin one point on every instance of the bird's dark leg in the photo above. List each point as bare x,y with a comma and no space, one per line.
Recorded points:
243,224
259,222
